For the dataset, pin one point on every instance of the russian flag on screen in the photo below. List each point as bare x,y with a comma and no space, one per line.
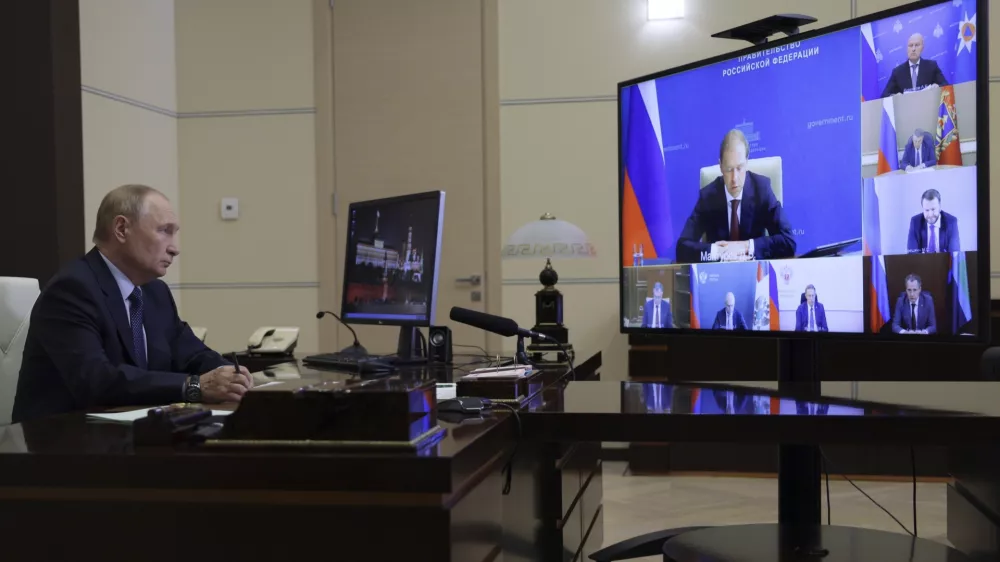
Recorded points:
695,322
961,307
870,219
888,149
869,65
879,290
645,207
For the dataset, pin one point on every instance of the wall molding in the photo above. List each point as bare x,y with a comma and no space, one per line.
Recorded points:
260,285
196,114
565,281
564,100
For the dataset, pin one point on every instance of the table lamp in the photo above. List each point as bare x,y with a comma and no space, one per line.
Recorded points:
549,238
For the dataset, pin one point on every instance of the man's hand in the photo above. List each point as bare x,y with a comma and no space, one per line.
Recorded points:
909,168
225,384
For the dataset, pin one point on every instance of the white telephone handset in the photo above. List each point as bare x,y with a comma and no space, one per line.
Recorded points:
273,340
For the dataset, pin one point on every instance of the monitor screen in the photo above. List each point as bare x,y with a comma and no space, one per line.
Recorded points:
391,273
827,183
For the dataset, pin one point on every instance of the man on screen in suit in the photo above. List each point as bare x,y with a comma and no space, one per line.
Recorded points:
811,316
105,332
919,151
915,73
656,313
729,318
933,230
914,310
737,213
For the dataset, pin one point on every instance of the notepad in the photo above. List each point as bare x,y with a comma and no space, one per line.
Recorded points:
132,415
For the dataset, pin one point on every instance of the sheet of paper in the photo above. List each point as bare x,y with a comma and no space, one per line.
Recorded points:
132,415
266,384
446,390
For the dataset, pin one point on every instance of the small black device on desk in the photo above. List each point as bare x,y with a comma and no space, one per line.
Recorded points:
469,405
354,363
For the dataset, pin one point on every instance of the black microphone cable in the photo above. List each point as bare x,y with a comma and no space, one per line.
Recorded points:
871,499
508,467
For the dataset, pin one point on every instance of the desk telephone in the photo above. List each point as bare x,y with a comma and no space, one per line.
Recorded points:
273,341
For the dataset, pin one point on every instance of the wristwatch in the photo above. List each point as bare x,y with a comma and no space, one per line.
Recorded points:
192,389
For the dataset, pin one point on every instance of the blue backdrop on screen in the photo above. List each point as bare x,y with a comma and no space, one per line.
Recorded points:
800,103
949,32
715,280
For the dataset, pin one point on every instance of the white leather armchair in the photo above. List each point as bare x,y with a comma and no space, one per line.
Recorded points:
17,297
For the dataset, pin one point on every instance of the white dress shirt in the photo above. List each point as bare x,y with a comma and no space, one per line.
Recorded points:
125,285
811,320
729,319
716,250
657,322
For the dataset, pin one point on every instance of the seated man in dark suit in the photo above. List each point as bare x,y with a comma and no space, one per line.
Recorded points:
105,331
914,310
919,151
811,316
729,318
915,73
933,230
737,213
656,313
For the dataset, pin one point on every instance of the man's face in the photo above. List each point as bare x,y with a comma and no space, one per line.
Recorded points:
730,304
150,243
912,290
917,141
657,292
932,210
810,296
734,168
914,47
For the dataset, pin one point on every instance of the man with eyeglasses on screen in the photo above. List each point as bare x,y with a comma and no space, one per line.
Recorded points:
729,318
737,213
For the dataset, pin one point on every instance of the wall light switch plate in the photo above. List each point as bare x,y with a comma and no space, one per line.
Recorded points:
230,208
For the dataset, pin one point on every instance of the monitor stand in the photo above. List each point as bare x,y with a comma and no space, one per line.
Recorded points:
408,350
800,466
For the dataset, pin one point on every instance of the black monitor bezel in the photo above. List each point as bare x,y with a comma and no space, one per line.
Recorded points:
439,196
982,184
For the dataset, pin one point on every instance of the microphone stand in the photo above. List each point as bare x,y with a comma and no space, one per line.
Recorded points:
521,356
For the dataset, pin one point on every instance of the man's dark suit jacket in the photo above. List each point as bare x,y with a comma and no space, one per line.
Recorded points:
666,318
802,318
79,354
928,73
925,314
759,211
927,156
948,240
738,322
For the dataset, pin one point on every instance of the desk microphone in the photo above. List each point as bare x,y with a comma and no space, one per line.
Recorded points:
494,324
356,349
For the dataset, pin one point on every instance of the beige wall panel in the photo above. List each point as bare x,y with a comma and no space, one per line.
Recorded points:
232,315
127,48
268,163
244,54
562,48
562,159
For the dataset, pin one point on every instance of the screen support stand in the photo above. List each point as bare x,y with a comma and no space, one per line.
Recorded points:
408,349
799,466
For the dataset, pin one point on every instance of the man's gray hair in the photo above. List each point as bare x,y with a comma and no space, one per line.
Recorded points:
128,201
914,277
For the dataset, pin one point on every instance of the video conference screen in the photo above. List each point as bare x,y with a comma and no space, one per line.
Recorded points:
829,184
392,248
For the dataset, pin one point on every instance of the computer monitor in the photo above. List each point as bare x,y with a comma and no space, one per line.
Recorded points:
391,268
823,185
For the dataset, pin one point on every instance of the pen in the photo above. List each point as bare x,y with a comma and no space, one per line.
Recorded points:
236,362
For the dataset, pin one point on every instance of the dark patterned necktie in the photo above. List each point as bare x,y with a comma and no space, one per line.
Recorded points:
734,221
135,318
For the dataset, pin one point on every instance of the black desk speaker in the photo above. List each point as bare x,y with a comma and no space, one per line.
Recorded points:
439,345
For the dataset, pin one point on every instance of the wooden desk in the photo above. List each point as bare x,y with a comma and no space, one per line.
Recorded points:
80,489
79,479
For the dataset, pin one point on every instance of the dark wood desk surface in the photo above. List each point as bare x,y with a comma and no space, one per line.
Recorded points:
86,473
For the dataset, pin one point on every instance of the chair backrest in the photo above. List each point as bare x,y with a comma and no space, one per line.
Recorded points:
17,297
199,332
769,166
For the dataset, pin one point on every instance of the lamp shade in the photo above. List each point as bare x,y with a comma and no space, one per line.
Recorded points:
548,237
